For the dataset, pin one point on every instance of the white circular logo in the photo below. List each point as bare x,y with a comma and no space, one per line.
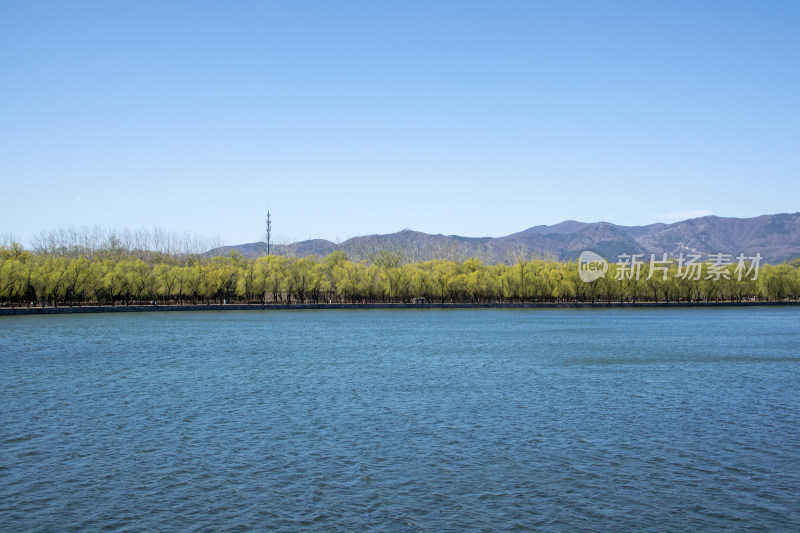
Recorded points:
591,266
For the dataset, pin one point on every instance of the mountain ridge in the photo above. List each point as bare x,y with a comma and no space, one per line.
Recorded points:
776,237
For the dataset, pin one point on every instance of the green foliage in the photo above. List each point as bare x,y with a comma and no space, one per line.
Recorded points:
116,277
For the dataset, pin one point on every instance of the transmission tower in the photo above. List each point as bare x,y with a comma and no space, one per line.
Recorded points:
269,231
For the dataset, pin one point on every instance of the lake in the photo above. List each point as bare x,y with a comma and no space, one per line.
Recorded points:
402,420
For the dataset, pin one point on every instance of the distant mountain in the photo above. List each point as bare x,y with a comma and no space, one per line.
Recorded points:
775,237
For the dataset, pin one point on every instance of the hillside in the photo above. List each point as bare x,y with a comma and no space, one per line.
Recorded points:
775,237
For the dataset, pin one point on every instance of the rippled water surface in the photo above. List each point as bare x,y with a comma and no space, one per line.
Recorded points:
408,420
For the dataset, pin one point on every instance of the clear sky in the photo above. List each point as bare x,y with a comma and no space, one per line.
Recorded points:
349,118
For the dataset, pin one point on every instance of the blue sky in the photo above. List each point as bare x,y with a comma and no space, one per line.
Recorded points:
348,118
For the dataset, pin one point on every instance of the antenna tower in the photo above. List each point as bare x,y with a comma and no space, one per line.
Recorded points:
269,231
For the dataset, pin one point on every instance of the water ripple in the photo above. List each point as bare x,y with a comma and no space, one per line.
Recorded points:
486,420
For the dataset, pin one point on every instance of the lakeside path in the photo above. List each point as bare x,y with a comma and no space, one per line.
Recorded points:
7,311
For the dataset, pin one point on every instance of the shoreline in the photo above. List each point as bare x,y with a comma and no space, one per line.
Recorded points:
19,311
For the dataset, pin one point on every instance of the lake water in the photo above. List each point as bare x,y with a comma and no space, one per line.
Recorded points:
407,420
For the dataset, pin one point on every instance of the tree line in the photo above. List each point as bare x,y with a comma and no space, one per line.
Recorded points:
116,275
